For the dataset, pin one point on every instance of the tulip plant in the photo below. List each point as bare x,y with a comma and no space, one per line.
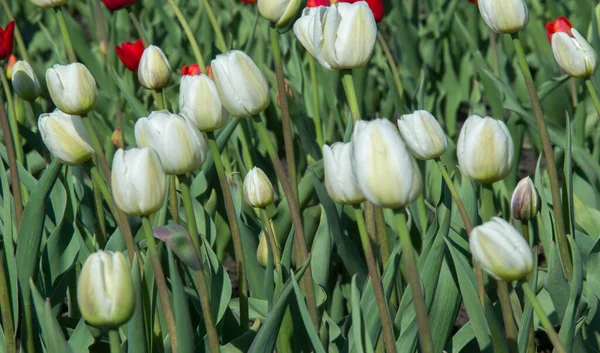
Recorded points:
287,176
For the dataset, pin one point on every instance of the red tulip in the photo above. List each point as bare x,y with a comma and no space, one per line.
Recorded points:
6,40
192,70
375,5
114,5
131,53
249,1
473,1
561,24
315,3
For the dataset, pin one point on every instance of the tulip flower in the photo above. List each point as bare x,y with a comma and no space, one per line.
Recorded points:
130,54
191,70
154,71
48,4
72,88
501,250
65,137
262,252
242,87
258,190
341,36
138,181
114,5
386,173
375,5
181,147
485,149
340,180
24,81
561,24
200,103
315,3
423,135
12,60
525,201
248,1
105,291
574,54
6,40
504,16
280,12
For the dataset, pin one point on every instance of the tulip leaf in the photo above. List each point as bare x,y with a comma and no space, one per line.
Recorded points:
134,103
136,327
81,338
51,331
242,343
321,251
308,325
181,311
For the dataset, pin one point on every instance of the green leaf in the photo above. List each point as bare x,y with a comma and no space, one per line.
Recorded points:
136,327
81,338
308,325
181,310
321,250
51,330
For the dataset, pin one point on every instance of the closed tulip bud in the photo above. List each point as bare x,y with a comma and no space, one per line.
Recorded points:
504,16
241,86
72,88
340,180
501,250
199,102
12,60
48,4
386,173
485,149
262,252
525,201
105,291
24,81
65,137
280,12
181,147
138,180
154,71
258,190
574,54
423,135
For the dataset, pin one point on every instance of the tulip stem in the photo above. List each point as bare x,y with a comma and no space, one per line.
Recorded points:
161,283
271,236
288,136
188,32
138,27
393,67
113,337
543,318
507,316
593,94
348,82
101,220
5,308
386,320
316,106
12,116
235,231
173,204
487,202
12,163
561,237
300,245
65,34
215,25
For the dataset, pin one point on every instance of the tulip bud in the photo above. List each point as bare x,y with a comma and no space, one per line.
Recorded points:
138,181
105,291
114,5
24,81
525,201
386,173
280,12
199,102
178,239
262,252
131,53
154,71
181,147
48,4
241,86
7,40
501,250
504,16
258,190
309,31
65,137
72,88
12,60
561,24
423,135
574,54
340,181
485,149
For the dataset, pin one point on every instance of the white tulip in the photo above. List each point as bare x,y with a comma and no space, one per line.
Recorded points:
485,149
258,190
199,102
504,16
138,181
525,200
386,172
72,88
154,71
423,135
48,4
65,137
309,31
574,54
242,87
340,180
280,12
501,250
181,147
24,81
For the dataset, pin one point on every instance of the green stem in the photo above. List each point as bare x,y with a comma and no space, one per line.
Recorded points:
12,163
101,221
393,67
561,237
558,346
593,94
18,36
348,83
273,245
315,91
5,308
507,316
386,320
113,336
415,284
300,245
487,202
525,231
138,27
160,99
173,204
384,246
161,283
215,25
235,231
65,34
494,47
12,117
286,123
188,32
